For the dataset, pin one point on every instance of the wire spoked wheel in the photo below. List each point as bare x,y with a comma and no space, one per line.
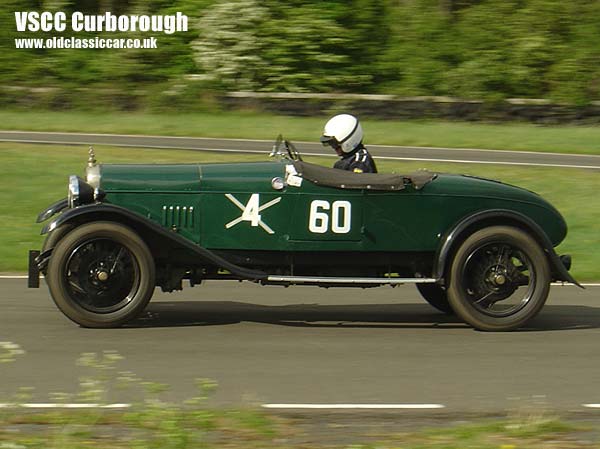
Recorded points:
101,274
499,279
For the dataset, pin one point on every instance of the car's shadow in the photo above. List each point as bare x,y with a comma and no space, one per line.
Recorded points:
212,313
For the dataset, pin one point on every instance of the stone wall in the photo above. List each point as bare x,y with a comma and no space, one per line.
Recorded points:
393,107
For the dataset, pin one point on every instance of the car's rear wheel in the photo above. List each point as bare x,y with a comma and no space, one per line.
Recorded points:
101,274
499,279
436,296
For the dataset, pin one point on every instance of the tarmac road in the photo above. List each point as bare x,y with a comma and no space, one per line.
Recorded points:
266,345
475,156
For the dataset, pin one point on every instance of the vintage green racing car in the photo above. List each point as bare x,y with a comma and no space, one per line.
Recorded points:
478,248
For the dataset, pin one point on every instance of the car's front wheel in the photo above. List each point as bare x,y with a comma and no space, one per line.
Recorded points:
101,274
499,279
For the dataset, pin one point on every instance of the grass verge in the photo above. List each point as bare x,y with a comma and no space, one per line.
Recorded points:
255,429
36,175
510,136
155,423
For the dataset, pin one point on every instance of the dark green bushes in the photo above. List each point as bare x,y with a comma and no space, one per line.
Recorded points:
472,49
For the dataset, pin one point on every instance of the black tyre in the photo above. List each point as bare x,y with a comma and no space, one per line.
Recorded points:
436,296
101,275
499,279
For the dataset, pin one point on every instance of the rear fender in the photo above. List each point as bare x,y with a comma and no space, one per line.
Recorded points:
467,226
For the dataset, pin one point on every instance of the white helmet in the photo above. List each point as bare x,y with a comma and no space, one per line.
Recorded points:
342,131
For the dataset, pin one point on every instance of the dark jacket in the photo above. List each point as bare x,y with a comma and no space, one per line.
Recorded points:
359,161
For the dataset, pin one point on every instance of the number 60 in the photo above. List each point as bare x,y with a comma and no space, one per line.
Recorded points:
341,217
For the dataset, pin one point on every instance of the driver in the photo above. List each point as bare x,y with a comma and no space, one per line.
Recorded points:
344,134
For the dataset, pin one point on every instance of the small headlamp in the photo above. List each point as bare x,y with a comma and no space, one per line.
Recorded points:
79,192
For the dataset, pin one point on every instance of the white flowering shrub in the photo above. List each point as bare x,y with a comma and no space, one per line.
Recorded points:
228,47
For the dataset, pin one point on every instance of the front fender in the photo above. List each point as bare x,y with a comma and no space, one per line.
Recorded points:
52,210
109,212
492,217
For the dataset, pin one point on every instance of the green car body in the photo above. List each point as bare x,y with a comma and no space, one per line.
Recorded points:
193,199
288,222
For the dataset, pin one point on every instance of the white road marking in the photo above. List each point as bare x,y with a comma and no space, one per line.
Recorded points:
591,405
566,284
157,147
62,133
484,150
45,405
355,406
538,153
466,161
393,158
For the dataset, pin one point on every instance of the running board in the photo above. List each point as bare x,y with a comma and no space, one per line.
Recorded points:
322,280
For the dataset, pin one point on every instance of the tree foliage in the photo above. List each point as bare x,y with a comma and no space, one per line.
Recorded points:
483,49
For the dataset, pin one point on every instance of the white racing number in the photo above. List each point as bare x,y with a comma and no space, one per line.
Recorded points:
324,216
251,211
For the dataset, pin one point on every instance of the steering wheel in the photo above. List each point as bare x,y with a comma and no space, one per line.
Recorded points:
285,148
292,151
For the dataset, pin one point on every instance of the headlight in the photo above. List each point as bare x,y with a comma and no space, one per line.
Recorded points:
79,192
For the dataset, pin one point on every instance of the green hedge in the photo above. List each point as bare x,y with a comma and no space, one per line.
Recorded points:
482,49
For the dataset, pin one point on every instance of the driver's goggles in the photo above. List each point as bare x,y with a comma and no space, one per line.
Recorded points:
331,141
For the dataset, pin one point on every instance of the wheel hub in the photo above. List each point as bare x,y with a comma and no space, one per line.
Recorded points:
99,273
495,280
102,275
499,279
497,276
